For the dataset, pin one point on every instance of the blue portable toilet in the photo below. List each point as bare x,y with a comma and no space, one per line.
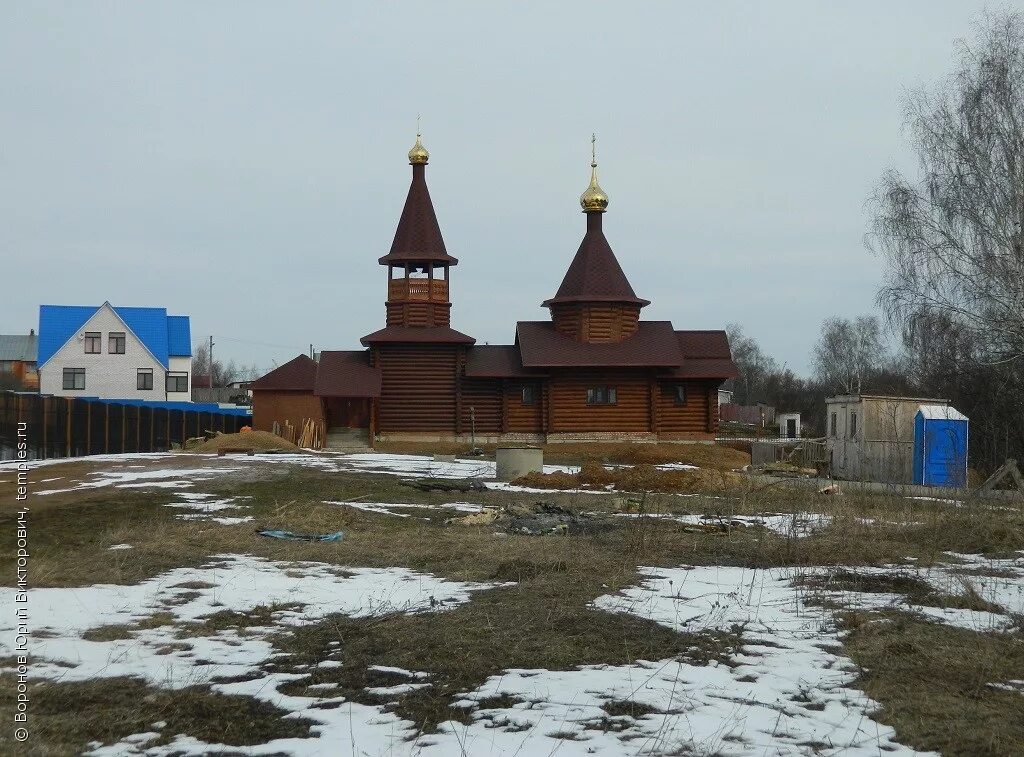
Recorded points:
940,446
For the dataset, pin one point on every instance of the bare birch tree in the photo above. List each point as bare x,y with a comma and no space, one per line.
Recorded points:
952,237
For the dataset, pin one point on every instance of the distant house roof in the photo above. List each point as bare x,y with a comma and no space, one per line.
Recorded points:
298,374
495,361
653,345
21,347
346,373
164,336
417,335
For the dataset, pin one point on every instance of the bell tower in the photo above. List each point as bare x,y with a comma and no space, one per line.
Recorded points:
418,263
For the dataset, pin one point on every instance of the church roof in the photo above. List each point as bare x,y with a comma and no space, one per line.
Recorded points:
654,345
418,236
298,374
496,361
595,274
346,373
417,335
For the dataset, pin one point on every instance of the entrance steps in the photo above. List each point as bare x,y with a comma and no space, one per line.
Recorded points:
347,439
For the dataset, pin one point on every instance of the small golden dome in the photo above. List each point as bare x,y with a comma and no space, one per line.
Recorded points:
594,200
418,153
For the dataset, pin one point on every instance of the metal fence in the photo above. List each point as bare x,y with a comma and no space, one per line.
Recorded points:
73,427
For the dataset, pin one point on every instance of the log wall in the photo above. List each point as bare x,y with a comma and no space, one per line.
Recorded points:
694,416
270,405
520,418
419,387
568,409
600,322
484,397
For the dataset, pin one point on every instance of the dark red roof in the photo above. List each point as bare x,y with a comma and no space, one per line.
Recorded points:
720,368
297,374
417,334
595,274
418,237
704,344
346,374
706,354
654,345
496,361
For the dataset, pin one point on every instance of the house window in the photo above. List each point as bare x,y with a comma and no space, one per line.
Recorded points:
177,382
529,395
144,379
93,343
74,378
115,345
853,425
832,425
601,395
675,392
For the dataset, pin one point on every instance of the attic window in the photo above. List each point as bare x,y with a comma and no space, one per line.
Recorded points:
93,343
115,344
601,395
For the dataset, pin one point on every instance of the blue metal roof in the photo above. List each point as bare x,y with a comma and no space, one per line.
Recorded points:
150,326
163,335
192,407
179,336
57,324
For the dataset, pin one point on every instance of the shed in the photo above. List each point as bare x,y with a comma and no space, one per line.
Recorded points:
789,425
940,446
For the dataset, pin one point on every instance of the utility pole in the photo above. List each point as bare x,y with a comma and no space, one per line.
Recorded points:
211,361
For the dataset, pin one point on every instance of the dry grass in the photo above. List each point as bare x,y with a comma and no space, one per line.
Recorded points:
543,621
934,683
637,478
67,716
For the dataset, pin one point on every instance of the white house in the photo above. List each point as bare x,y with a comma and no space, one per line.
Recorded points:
114,353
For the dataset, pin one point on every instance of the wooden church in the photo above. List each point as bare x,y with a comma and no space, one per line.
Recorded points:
593,371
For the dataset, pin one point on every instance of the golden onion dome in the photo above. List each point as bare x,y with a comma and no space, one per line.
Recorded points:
593,200
418,153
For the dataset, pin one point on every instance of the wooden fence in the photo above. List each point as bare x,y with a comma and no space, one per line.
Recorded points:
69,427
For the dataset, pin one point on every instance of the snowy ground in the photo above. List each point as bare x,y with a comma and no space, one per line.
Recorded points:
788,691
789,686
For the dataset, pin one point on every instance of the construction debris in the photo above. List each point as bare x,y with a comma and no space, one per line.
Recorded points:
831,489
445,484
289,536
538,519
313,434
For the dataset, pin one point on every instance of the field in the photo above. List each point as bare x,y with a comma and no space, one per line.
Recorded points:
713,617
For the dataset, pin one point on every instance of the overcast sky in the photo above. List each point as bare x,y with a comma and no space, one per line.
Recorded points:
245,163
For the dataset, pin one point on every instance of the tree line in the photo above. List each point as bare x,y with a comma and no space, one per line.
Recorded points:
951,243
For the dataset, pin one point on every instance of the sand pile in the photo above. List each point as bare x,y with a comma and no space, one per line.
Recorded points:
258,440
634,479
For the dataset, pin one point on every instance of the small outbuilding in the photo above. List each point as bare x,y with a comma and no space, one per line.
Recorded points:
940,446
789,425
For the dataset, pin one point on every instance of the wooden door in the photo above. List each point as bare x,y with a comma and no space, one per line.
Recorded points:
348,412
